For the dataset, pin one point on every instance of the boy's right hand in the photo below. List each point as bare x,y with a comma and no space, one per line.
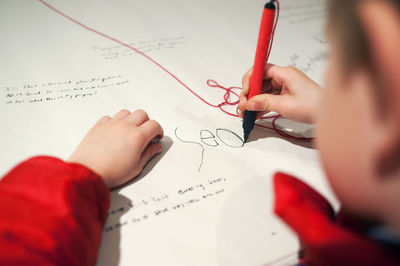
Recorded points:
118,148
286,90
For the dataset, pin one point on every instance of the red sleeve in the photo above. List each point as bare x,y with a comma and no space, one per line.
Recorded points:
325,241
52,213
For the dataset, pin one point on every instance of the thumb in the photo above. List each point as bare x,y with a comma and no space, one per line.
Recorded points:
268,102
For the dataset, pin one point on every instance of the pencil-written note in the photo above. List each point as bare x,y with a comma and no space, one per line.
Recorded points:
301,12
320,38
145,46
143,209
308,64
65,90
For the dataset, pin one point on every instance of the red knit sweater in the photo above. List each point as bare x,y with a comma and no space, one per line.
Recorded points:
52,213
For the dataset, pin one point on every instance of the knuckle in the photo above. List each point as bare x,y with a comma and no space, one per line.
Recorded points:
267,105
155,125
104,119
141,113
291,72
246,75
294,69
244,80
124,111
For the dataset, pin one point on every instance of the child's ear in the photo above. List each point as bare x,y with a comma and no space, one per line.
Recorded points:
381,23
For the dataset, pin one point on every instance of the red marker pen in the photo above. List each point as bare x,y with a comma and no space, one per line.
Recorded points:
257,77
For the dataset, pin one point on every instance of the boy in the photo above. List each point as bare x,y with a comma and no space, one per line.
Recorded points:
358,135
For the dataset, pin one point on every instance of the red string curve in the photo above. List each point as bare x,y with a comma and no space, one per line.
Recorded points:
229,91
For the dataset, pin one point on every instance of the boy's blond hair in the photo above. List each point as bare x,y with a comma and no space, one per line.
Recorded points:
344,22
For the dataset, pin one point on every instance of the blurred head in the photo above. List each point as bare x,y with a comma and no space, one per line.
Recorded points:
358,131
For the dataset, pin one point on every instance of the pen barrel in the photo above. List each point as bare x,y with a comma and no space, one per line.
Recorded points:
264,39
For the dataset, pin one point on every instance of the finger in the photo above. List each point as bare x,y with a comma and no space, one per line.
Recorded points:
149,152
151,129
266,86
279,75
242,102
246,81
268,102
121,114
103,119
268,66
138,117
245,91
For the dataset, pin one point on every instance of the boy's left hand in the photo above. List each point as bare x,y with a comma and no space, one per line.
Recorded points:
118,148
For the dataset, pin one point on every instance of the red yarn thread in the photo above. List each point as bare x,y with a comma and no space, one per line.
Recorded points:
210,82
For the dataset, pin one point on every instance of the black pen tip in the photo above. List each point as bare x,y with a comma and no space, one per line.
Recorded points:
249,119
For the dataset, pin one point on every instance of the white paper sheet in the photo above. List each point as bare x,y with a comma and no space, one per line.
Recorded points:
203,203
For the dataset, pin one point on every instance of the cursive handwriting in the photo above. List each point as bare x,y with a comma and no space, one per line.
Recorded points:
302,12
150,207
60,90
145,46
